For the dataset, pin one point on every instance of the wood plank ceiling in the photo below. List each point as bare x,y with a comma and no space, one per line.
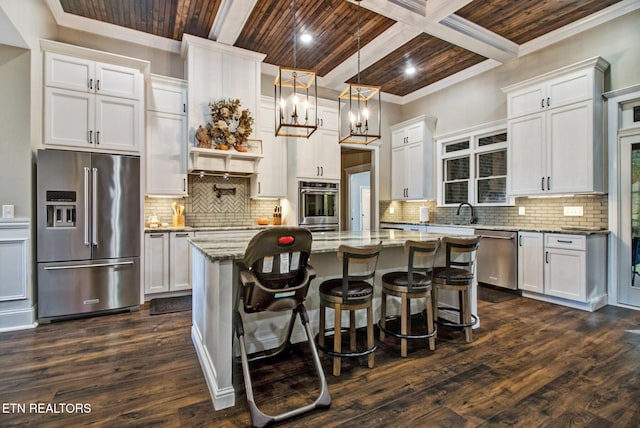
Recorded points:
451,37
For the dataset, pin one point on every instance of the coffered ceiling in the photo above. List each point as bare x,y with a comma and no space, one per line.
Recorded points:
445,41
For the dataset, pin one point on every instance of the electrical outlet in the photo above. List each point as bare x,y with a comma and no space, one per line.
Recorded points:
392,210
573,212
520,210
7,211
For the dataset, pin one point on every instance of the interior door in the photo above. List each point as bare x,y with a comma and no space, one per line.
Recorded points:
365,208
629,250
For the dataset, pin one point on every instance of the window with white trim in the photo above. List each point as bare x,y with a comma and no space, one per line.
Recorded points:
473,168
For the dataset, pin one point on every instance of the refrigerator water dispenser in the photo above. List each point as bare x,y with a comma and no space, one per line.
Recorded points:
61,209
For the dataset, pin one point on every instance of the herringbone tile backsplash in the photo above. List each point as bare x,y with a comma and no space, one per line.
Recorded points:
203,207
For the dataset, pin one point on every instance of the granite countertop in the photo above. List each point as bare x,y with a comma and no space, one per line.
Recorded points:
203,229
233,248
570,230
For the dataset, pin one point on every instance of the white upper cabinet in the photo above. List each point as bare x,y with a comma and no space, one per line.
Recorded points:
556,92
318,157
327,118
413,167
215,71
91,103
78,74
409,133
167,95
271,179
555,129
166,141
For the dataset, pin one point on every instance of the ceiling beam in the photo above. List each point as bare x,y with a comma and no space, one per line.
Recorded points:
230,20
490,45
440,9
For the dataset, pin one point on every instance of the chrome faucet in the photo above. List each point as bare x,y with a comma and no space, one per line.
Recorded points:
473,218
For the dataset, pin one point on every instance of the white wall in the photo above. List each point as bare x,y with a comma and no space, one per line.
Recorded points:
480,99
15,161
23,24
162,62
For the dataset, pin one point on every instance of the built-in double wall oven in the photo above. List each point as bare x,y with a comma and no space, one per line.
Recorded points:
318,205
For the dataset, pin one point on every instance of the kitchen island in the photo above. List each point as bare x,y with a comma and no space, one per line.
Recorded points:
214,279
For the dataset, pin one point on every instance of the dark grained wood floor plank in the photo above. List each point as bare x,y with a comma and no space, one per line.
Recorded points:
531,364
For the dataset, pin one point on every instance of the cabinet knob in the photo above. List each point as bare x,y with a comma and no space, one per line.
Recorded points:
97,137
548,183
548,101
542,103
91,84
546,257
90,137
542,184
98,85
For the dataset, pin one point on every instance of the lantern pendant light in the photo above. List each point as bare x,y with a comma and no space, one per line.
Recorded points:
359,108
296,95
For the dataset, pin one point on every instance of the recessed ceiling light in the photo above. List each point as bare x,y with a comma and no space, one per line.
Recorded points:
410,70
306,38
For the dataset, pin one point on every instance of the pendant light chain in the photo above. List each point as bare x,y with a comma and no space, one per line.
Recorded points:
359,105
358,41
294,34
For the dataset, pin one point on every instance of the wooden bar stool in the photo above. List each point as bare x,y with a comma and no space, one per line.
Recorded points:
457,274
351,292
415,283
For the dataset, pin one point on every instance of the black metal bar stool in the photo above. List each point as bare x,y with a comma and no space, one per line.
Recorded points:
350,293
414,283
457,274
274,276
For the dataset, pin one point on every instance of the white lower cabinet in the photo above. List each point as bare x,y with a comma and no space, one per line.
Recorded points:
564,268
179,261
530,261
167,266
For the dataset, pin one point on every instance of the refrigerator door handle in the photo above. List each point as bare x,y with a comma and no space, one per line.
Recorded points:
86,206
88,265
94,207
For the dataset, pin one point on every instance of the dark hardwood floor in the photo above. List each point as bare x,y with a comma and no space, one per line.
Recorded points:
531,364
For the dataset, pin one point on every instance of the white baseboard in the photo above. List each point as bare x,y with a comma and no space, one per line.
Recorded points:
222,398
19,319
590,306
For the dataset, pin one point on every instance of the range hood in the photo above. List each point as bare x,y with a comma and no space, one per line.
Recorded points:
223,162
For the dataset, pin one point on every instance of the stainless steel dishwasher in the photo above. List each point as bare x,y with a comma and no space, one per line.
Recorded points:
497,258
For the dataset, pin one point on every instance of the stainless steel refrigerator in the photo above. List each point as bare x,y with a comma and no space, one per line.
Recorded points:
88,241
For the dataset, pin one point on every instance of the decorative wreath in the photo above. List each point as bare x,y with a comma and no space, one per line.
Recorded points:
230,126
